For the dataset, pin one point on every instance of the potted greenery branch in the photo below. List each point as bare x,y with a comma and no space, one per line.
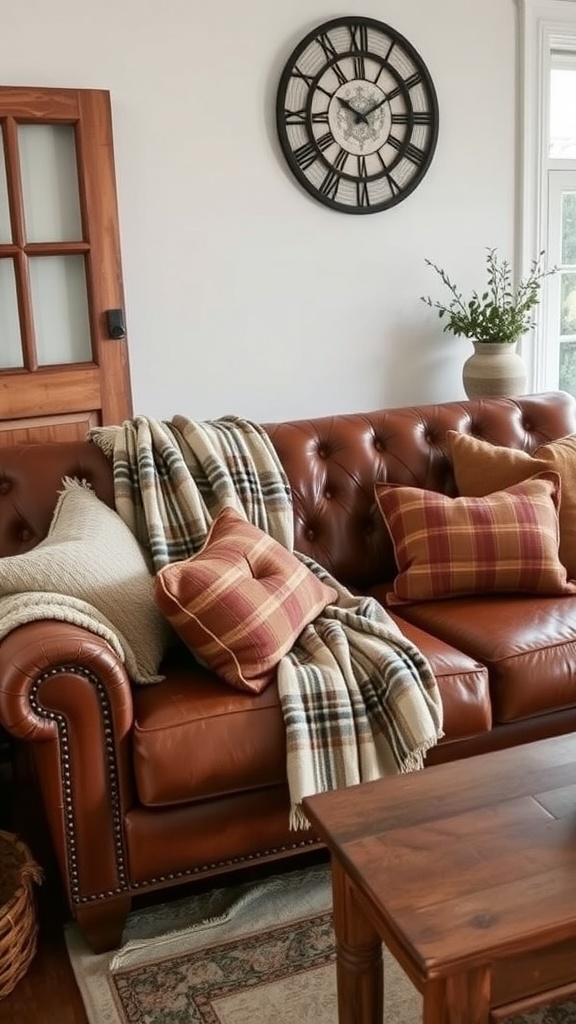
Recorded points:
494,320
502,313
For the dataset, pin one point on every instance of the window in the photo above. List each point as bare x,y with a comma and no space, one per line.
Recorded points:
548,46
560,327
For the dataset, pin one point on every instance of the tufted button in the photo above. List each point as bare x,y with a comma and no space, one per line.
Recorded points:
5,486
310,534
24,534
378,444
327,494
323,451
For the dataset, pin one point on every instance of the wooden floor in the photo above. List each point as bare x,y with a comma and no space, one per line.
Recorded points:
48,992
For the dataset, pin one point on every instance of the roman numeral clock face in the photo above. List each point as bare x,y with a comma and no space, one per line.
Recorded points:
357,115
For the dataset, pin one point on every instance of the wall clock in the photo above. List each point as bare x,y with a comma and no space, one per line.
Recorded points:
357,115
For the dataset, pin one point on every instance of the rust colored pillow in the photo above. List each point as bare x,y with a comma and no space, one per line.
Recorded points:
448,547
241,601
481,467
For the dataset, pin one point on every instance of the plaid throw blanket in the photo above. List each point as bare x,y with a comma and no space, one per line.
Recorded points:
359,700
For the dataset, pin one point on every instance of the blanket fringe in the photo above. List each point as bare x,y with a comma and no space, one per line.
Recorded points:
105,438
414,762
298,819
70,482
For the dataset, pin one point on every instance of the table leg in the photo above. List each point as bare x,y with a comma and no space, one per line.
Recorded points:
359,972
463,999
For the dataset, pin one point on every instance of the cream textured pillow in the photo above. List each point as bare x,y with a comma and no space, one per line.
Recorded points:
481,467
90,555
241,601
448,547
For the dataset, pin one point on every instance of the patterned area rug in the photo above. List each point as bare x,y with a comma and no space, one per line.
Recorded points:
251,954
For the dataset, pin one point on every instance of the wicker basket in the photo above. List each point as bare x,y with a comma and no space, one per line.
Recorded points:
18,921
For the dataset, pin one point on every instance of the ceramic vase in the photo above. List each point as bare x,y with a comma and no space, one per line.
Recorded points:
494,370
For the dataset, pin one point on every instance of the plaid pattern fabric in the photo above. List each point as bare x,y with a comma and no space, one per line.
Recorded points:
359,699
506,541
172,478
241,602
481,467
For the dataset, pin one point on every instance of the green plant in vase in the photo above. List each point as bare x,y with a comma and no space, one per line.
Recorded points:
496,317
501,313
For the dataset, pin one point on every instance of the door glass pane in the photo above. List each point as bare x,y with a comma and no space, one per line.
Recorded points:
49,183
562,142
59,300
5,231
567,381
10,347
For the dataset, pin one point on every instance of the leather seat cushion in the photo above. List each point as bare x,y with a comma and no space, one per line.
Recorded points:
195,737
527,643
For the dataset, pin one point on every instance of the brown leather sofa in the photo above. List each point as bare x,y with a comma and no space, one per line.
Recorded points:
148,787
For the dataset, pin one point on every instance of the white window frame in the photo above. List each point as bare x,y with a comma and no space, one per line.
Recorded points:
545,26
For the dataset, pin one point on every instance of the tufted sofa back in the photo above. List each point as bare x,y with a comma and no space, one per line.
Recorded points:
332,464
30,478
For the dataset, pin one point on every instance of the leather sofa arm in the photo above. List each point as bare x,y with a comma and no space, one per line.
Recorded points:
33,652
64,691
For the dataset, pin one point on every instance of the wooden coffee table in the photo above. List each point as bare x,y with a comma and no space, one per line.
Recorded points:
467,873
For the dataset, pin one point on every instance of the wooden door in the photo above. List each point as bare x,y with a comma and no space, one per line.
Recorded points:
61,369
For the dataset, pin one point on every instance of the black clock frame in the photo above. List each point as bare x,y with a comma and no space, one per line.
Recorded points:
313,150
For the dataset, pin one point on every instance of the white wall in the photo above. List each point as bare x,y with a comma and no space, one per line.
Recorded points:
243,294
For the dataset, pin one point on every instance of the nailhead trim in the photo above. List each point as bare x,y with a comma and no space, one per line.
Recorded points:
232,862
174,876
113,787
71,845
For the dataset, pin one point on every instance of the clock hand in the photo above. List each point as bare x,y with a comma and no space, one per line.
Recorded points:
375,107
357,113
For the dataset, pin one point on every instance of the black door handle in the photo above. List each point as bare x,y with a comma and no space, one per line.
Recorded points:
116,324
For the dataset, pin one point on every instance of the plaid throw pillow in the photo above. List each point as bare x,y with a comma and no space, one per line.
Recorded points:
481,467
506,541
241,602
